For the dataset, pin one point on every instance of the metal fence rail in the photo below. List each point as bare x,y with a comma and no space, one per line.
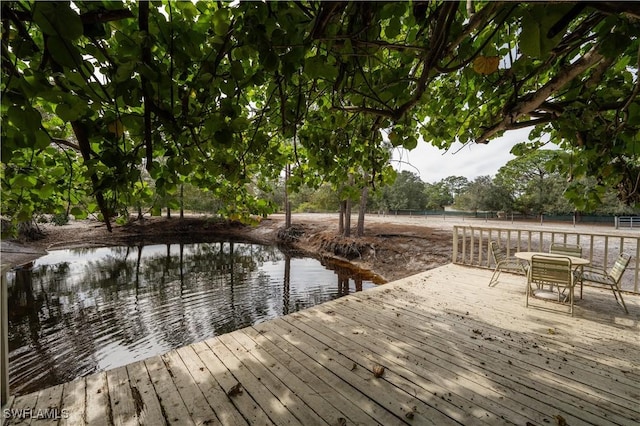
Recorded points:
627,221
471,247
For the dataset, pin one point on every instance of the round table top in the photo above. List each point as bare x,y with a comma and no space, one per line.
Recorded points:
527,255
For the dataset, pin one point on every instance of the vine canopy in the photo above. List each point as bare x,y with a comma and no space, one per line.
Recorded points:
108,104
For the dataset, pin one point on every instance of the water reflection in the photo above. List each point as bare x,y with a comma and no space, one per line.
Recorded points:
78,311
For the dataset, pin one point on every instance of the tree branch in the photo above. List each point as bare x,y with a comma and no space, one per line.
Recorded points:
66,143
533,101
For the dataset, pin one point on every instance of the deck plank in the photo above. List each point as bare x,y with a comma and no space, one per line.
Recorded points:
21,409
147,405
455,351
73,403
341,392
199,409
415,370
47,409
173,407
243,402
98,409
275,408
290,398
122,403
211,390
356,369
404,373
307,372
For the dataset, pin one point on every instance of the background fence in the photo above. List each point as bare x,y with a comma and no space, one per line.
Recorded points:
614,221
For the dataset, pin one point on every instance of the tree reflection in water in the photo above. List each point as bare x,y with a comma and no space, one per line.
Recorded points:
78,311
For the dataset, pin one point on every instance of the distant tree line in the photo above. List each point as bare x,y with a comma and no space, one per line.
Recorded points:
530,184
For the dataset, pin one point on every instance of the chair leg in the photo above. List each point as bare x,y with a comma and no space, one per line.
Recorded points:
494,278
581,271
621,302
571,301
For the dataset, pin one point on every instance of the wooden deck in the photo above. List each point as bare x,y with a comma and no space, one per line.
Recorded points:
454,351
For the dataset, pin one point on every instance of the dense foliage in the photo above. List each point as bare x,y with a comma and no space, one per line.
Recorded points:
110,104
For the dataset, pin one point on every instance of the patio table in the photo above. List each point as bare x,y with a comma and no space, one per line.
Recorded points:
527,255
576,262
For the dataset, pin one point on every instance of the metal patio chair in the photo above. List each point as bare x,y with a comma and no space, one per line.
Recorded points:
569,250
609,278
566,249
504,263
556,273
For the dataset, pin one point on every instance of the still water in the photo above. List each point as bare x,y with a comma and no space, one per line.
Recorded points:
79,311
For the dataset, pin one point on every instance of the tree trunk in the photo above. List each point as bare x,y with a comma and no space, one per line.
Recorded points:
363,208
347,218
168,213
181,201
343,207
85,149
287,203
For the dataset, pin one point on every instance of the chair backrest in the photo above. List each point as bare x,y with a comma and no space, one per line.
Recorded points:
619,267
498,253
551,270
566,249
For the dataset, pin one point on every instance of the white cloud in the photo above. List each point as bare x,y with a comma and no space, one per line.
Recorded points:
471,161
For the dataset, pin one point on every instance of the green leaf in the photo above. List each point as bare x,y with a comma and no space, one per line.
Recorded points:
393,29
240,124
23,181
410,142
58,19
270,61
124,71
396,140
78,213
173,204
221,22
27,118
42,140
536,23
68,112
634,114
530,35
63,52
46,191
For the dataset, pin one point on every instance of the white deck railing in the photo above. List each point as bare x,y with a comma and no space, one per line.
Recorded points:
470,247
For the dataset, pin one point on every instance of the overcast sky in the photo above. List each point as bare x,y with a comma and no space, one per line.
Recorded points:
471,161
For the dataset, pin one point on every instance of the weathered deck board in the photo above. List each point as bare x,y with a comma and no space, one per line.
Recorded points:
73,403
147,405
454,351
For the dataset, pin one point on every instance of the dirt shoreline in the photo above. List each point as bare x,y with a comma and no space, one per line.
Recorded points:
389,251
392,248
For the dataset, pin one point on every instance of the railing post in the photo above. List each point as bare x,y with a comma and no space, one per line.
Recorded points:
454,256
4,338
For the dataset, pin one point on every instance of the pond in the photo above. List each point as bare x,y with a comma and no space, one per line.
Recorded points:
75,312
